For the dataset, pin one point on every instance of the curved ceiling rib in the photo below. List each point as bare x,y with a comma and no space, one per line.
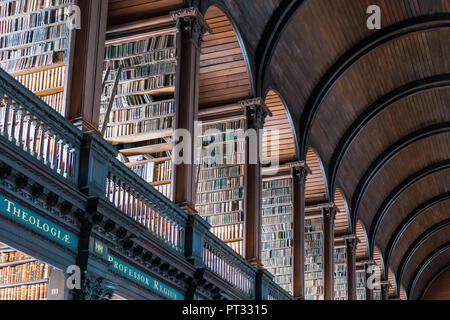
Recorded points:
409,220
316,190
278,21
345,62
342,221
384,158
361,249
426,262
416,244
370,113
395,194
434,278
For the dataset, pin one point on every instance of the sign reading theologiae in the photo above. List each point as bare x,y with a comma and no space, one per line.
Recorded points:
34,221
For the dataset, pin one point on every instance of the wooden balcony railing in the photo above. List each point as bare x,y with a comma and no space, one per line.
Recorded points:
229,265
88,162
36,129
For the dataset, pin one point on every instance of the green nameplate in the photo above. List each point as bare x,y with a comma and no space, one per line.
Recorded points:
36,222
144,279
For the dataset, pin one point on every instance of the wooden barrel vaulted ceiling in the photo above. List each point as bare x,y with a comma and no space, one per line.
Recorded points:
374,105
370,108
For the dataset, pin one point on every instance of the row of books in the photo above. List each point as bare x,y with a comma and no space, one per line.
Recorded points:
314,251
222,207
165,189
361,285
314,288
143,112
274,253
144,126
33,60
222,148
140,47
313,267
275,192
32,36
276,227
31,271
283,243
278,261
26,292
277,210
278,183
277,219
219,184
12,7
220,129
138,86
229,232
218,173
282,279
143,59
318,259
153,172
219,196
237,246
226,218
226,160
43,80
12,256
313,275
277,200
277,235
139,72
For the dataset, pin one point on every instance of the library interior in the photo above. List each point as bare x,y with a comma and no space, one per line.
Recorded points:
224,150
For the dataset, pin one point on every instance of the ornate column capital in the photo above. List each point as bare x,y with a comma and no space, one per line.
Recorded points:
191,22
351,242
256,108
95,288
330,212
299,170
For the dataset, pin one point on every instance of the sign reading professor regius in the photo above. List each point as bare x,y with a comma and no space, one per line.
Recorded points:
34,221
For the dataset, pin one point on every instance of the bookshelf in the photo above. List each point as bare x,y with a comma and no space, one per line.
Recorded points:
35,43
277,229
220,179
377,294
340,273
314,272
361,285
142,116
22,277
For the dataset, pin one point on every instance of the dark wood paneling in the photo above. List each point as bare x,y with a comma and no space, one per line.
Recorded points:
426,220
439,288
125,11
224,75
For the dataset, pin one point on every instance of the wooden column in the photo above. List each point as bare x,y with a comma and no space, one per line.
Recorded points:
385,285
191,27
351,243
369,291
329,215
255,111
299,172
85,84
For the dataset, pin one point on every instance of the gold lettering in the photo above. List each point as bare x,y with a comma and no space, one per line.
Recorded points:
155,284
53,232
16,212
46,227
110,258
31,217
9,205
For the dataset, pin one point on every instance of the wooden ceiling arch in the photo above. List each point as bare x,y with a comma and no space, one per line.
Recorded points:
436,287
409,220
362,252
316,190
387,156
408,90
436,230
342,222
393,281
345,62
441,253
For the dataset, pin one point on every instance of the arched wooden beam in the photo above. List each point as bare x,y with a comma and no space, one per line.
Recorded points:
433,278
387,156
345,62
403,226
404,185
433,255
270,36
415,245
371,112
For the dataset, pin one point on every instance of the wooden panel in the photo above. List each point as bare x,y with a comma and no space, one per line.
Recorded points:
439,288
277,123
426,220
341,224
417,194
223,71
315,190
124,11
391,279
361,249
